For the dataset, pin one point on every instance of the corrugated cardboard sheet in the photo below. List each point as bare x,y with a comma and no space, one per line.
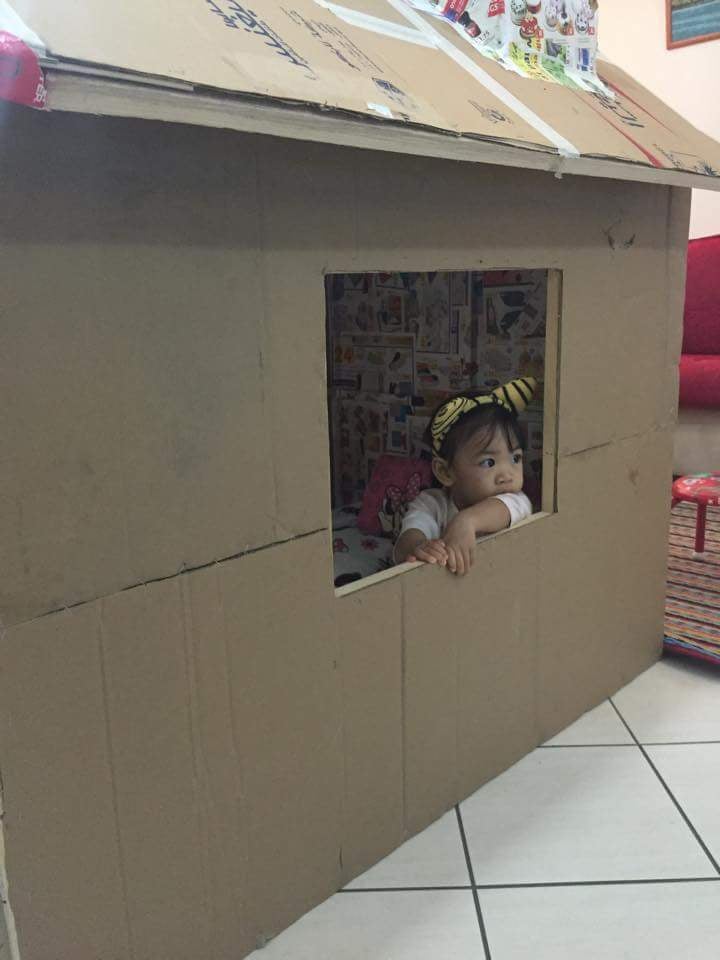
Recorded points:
198,740
372,58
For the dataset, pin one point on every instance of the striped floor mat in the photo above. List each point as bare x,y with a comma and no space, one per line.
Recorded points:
692,605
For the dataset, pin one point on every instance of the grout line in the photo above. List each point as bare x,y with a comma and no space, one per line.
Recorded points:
565,746
677,743
404,889
539,885
596,883
471,874
669,792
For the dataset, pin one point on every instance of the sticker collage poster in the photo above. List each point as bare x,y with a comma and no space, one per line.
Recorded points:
401,343
551,40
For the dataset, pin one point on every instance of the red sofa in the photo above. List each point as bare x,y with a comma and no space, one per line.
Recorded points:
697,442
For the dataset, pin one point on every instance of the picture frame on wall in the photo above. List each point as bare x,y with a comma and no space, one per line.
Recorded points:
692,21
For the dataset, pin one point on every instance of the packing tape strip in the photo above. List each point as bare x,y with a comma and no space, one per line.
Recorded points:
565,148
435,39
375,25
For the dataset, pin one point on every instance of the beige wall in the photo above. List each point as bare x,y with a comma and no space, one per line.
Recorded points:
687,79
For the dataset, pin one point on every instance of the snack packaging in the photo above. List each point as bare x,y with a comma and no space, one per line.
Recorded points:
485,23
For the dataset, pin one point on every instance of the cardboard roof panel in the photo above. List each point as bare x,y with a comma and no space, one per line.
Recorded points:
571,116
471,109
379,60
663,134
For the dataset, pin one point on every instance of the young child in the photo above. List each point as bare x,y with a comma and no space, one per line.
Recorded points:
478,462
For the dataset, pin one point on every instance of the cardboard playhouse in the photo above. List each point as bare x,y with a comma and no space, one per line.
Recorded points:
201,738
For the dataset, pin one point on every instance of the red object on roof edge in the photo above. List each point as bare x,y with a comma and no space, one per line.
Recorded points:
21,77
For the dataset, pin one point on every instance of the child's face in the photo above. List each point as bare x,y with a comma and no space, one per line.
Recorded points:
482,469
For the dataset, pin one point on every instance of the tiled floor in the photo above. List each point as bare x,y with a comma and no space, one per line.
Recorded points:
603,844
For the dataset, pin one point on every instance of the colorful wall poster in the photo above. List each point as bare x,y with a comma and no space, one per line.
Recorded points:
399,344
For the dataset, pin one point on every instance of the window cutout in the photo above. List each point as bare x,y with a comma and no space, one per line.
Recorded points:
399,344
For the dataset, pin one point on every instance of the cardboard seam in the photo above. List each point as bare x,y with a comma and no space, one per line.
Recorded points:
265,328
238,756
113,781
596,446
677,198
195,749
668,282
171,576
536,638
654,428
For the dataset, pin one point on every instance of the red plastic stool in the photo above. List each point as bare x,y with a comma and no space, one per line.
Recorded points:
702,489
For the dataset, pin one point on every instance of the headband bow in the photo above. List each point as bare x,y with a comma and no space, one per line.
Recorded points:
513,396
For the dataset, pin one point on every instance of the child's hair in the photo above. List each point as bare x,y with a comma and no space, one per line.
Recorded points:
486,419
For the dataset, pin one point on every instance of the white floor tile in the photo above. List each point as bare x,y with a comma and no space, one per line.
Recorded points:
404,925
435,858
599,726
579,814
692,772
639,922
674,701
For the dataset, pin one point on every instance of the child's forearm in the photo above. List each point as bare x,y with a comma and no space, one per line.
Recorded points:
488,516
407,543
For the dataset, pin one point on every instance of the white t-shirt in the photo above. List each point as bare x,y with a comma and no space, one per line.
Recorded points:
432,511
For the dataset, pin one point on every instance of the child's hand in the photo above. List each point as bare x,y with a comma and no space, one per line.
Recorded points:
460,538
431,551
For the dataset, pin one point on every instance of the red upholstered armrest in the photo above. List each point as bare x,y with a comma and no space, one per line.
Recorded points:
701,329
700,381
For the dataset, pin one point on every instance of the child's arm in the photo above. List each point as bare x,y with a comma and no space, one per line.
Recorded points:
413,545
489,516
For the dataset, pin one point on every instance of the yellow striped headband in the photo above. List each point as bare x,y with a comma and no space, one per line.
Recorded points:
513,396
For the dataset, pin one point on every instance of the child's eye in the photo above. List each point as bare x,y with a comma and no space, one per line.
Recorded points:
487,462
517,458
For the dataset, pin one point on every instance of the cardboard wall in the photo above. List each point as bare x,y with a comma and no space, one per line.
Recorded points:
198,740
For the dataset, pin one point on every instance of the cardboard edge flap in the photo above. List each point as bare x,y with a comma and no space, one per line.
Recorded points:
84,93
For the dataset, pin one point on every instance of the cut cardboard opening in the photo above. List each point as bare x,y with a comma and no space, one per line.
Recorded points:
398,345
